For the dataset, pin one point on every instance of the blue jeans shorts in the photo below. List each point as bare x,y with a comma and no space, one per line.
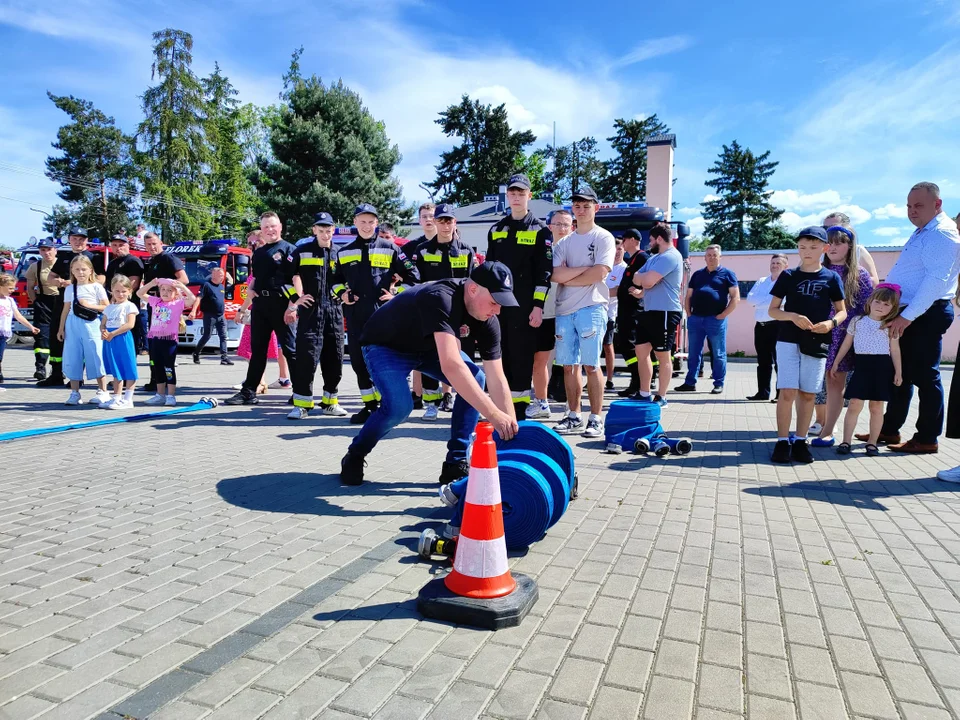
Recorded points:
580,336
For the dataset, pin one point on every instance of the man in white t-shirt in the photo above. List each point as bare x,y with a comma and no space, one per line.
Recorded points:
613,284
581,264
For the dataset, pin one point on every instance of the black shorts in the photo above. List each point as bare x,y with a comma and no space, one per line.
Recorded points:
658,328
608,335
547,335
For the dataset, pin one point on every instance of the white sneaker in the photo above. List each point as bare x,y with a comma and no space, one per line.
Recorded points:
171,401
238,387
298,413
334,410
815,429
569,425
74,398
116,404
155,400
594,427
538,409
100,398
430,412
951,476
280,383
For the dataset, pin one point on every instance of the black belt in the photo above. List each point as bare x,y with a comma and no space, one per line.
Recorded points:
767,322
268,293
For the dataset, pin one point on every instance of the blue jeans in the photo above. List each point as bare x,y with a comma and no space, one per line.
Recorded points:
389,370
700,328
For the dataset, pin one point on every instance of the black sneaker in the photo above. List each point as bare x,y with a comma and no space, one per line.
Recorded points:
758,396
351,469
196,358
716,390
685,388
608,385
629,391
781,452
446,404
361,417
244,397
51,381
453,471
40,373
226,361
417,401
150,387
800,451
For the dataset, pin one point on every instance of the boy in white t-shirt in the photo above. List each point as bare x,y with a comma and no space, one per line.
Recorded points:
9,312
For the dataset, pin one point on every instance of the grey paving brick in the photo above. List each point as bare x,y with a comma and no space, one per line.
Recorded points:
852,654
676,659
616,703
595,642
462,700
176,710
764,708
282,678
768,676
556,710
89,702
307,700
25,708
640,632
226,682
519,695
945,667
721,688
868,695
910,683
249,703
372,690
817,702
629,668
544,654
668,698
490,665
433,677
576,681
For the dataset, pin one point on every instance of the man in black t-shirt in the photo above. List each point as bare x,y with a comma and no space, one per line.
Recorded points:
420,330
212,303
123,263
629,307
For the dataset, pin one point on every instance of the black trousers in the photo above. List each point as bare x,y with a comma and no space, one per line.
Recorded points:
266,317
356,320
319,342
56,345
140,332
920,348
765,341
518,344
43,318
220,323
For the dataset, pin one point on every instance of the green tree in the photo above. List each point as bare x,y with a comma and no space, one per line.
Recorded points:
489,152
742,218
173,155
231,195
534,166
626,172
93,170
574,165
328,153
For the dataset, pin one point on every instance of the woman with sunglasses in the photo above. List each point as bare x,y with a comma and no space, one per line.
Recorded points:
841,257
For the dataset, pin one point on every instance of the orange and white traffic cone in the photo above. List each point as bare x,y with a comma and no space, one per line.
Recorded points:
480,590
480,568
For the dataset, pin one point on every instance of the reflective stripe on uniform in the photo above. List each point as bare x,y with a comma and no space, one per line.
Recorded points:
430,257
381,258
339,288
329,399
377,395
526,237
348,256
499,235
539,294
632,360
302,401
311,261
432,397
368,394
458,262
60,359
521,396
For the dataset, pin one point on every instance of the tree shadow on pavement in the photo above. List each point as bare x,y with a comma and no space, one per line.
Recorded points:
862,494
292,492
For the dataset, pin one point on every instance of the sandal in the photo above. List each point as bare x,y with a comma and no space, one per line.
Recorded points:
262,389
843,448
872,450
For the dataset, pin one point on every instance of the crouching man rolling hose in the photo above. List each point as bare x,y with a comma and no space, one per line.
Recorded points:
421,330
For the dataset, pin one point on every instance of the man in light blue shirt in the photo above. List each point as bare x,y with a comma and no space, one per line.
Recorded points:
659,286
926,272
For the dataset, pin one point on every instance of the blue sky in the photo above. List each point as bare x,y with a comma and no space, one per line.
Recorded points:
857,100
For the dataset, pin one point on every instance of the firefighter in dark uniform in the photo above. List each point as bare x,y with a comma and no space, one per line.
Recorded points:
319,318
43,291
364,280
271,290
522,242
442,257
629,307
77,237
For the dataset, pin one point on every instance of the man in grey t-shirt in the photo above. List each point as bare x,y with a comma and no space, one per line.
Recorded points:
659,284
581,264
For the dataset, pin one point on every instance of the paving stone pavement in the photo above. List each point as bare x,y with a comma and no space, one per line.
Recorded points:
208,565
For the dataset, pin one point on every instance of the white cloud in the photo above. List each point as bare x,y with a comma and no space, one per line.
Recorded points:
655,47
857,214
696,225
689,211
890,211
890,231
709,198
793,222
798,201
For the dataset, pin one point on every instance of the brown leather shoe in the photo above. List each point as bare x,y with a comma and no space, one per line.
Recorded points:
914,447
883,439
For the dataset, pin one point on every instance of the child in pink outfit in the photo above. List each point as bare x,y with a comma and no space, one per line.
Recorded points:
166,311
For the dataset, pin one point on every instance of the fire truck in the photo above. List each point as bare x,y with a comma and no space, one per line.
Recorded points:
199,259
29,254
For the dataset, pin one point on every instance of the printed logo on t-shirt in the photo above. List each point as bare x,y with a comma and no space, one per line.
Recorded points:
811,288
464,331
162,314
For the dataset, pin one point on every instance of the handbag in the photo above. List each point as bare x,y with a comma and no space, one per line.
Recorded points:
815,345
84,313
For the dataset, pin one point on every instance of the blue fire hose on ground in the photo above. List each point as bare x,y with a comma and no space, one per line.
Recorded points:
205,403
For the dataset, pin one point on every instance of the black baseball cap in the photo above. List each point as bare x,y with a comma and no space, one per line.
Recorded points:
74,230
366,208
586,193
121,237
444,210
519,180
632,233
46,242
497,278
814,232
322,218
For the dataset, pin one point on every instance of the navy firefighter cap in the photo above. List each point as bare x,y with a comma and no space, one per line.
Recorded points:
519,181
366,208
444,210
814,232
497,278
322,218
46,242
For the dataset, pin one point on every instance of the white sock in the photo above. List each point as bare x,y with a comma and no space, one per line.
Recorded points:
644,393
573,415
128,395
783,439
595,417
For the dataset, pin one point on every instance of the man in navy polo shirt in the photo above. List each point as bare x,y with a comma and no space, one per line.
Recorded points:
712,295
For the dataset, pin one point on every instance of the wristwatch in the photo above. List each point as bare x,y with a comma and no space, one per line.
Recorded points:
834,321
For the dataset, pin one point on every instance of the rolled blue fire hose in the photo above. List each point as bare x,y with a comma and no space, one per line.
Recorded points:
535,437
205,403
551,472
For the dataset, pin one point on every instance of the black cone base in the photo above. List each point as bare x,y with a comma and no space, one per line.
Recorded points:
437,602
